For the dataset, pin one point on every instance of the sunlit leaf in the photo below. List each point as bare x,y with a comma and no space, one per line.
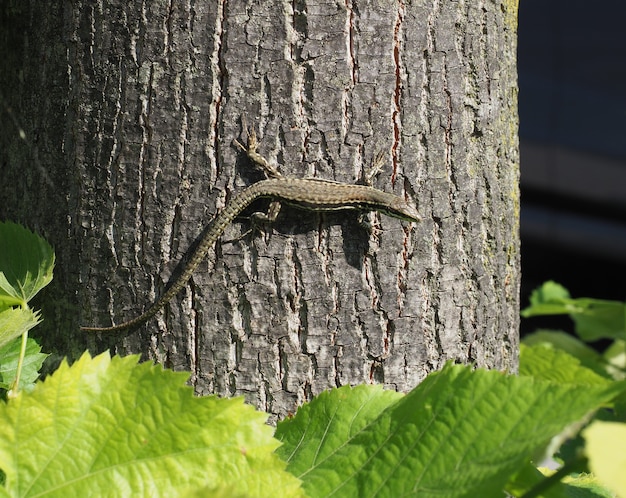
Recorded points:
107,427
605,443
460,433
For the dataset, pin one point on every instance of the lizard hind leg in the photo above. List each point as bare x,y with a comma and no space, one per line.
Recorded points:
262,222
375,168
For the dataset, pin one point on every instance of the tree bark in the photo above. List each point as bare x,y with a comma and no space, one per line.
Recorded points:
130,111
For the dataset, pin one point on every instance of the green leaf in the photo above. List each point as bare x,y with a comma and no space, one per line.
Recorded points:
119,428
460,433
545,362
33,360
597,319
360,405
615,356
594,318
26,264
529,476
16,321
579,485
586,486
573,346
549,299
605,443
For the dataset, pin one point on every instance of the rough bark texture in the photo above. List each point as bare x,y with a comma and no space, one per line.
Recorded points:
131,109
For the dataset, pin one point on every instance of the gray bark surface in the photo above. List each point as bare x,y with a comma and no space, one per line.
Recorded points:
131,110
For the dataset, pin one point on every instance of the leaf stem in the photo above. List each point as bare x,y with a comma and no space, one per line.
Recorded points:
15,388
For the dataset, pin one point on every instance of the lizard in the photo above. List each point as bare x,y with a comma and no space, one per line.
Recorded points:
308,193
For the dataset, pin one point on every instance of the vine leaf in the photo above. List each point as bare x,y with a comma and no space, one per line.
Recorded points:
9,359
26,265
460,433
15,322
120,428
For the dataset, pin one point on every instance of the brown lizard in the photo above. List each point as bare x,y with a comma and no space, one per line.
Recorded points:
309,193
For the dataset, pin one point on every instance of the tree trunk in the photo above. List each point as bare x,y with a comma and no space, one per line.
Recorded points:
131,110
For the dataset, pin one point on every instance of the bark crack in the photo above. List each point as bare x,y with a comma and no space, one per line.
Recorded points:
396,115
217,90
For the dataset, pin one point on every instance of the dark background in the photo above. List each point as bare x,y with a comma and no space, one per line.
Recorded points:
572,102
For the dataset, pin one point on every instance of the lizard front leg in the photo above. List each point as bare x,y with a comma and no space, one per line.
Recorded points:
270,170
260,220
